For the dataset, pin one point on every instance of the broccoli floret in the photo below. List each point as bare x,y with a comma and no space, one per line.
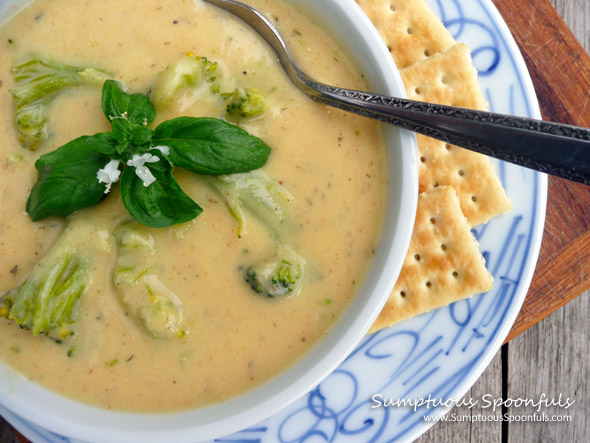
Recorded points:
192,72
189,71
38,82
256,192
280,275
247,103
140,290
31,121
162,316
47,302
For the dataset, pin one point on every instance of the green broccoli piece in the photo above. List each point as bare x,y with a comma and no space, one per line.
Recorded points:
162,316
278,276
140,290
31,121
256,192
282,273
47,302
38,81
247,103
190,71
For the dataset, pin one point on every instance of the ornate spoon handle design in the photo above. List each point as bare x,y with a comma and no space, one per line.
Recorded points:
553,148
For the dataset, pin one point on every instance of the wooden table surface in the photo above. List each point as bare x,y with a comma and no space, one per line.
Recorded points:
550,357
560,70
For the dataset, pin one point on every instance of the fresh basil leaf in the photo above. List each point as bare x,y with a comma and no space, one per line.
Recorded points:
210,146
121,130
114,102
135,108
67,180
104,142
129,135
141,135
162,203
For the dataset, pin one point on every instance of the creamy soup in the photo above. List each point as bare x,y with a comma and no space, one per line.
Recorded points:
332,164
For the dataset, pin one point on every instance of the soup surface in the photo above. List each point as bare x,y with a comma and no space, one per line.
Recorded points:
331,162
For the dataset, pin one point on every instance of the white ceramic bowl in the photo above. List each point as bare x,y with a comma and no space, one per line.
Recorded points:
344,20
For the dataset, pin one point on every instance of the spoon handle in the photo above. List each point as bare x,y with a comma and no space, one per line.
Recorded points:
556,149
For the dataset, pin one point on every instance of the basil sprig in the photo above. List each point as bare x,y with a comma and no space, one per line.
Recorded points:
144,159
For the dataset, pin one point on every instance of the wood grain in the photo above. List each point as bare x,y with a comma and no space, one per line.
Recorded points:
551,359
560,70
552,356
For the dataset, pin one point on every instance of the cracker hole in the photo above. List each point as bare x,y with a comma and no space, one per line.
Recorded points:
418,91
409,31
426,53
402,294
432,220
448,146
443,247
461,172
390,49
428,284
435,185
444,79
455,274
473,198
417,257
392,7
423,159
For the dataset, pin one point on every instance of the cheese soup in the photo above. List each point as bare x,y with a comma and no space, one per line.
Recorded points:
328,172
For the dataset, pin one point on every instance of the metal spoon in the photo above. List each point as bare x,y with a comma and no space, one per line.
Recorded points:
553,148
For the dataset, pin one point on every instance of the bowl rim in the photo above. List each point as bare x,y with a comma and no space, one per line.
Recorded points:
93,424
